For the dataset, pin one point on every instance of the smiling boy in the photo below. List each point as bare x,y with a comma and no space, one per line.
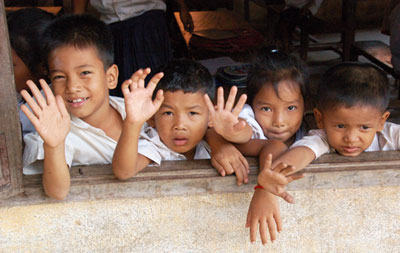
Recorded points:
81,124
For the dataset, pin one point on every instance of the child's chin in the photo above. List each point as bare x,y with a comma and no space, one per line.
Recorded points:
350,154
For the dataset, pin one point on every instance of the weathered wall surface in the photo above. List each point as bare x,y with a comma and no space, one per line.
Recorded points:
322,220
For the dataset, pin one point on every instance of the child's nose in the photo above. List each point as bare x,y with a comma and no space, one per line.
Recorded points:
278,120
351,136
179,123
73,85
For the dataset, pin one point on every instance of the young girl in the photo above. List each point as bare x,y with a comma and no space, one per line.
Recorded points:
276,90
25,27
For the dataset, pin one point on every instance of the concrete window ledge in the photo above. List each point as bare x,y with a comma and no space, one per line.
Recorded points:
180,178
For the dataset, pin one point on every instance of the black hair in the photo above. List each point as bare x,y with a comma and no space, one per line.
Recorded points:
80,31
272,67
353,83
25,28
188,76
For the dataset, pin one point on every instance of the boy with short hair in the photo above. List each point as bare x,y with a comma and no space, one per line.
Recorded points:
177,119
351,112
81,124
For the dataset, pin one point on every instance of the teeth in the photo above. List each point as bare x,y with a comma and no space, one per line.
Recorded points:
78,100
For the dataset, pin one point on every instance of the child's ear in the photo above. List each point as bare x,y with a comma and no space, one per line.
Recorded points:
151,122
318,118
383,119
112,76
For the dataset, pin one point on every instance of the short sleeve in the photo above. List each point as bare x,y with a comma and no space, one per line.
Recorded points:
248,115
149,150
316,141
33,152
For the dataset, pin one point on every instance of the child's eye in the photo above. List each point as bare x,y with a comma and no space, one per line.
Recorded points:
85,73
266,109
292,108
365,127
57,77
194,113
340,126
167,113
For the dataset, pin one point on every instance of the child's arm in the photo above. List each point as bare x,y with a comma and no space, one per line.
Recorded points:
225,119
226,158
139,107
52,122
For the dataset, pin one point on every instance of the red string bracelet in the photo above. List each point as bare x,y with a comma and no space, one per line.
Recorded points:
258,187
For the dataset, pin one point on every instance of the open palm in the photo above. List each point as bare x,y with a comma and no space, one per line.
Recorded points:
49,115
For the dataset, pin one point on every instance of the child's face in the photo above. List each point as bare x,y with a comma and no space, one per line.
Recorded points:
181,121
78,76
21,72
350,131
279,117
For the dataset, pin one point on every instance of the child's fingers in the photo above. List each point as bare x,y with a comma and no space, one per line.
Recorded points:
280,167
31,102
210,105
263,231
135,76
278,221
287,197
290,169
239,176
218,167
243,171
158,99
231,99
245,163
272,229
141,82
47,92
125,87
253,229
248,219
61,107
30,115
36,93
154,81
268,162
239,105
220,99
295,177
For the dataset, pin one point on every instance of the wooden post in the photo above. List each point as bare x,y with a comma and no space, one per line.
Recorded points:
10,129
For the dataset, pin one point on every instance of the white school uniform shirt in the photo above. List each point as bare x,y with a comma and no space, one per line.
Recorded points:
151,146
247,114
84,144
385,140
112,11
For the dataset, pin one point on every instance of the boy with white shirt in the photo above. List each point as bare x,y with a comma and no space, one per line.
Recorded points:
81,124
167,121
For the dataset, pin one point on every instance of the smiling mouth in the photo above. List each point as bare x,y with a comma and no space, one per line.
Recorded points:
78,100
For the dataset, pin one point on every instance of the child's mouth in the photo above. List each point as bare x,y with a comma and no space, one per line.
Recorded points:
77,102
180,141
350,149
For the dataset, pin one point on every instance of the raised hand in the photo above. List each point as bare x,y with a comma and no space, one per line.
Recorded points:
275,180
49,115
139,105
225,118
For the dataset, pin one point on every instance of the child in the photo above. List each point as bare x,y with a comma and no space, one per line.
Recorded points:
276,88
82,124
25,28
351,112
177,119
